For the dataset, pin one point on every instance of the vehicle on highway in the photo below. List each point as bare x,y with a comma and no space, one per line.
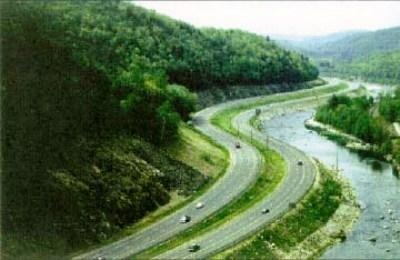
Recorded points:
300,163
265,211
184,219
237,145
199,205
193,248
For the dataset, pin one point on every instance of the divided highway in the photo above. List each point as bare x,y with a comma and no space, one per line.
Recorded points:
294,186
243,170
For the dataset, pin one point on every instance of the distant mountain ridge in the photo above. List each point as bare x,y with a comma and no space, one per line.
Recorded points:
360,45
345,46
371,55
308,43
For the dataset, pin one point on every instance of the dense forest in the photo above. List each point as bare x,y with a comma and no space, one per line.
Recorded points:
352,116
381,68
389,106
79,80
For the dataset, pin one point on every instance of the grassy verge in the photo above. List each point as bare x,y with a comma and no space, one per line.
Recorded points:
311,214
200,152
270,177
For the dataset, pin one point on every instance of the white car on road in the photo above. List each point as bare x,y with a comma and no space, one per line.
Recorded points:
199,205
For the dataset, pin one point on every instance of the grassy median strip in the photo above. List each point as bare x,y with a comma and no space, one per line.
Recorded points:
271,174
311,213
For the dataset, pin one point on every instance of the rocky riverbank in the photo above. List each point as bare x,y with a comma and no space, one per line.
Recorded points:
349,141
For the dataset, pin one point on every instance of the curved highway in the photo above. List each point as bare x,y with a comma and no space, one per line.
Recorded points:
243,170
296,183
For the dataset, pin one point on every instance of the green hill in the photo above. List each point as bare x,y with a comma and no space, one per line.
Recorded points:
358,45
381,67
373,55
81,81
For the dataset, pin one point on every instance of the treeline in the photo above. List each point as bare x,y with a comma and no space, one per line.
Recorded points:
389,106
359,117
76,76
381,68
353,116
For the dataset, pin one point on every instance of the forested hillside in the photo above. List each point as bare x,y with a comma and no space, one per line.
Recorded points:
347,46
381,68
373,56
314,45
79,80
361,45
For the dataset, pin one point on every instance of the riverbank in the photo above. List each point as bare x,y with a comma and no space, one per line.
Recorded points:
376,186
224,121
313,237
310,233
349,141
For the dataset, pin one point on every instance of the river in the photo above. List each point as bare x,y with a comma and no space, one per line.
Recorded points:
376,186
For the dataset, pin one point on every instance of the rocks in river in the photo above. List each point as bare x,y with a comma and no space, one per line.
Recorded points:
388,250
385,227
382,217
390,211
373,239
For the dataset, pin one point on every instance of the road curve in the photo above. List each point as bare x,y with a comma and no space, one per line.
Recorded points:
296,183
243,170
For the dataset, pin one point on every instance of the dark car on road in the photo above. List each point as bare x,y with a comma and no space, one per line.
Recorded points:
194,248
265,211
300,163
184,219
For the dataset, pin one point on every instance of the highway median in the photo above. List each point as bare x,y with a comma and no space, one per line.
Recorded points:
271,175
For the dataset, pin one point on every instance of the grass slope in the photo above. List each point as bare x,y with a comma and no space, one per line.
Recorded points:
311,213
202,153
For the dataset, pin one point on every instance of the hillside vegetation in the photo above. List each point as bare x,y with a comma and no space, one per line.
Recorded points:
355,116
86,87
361,45
381,68
373,56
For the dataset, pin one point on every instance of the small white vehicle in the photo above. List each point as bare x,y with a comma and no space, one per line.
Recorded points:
184,219
199,205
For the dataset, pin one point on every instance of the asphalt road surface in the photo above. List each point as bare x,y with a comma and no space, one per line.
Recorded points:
243,170
296,183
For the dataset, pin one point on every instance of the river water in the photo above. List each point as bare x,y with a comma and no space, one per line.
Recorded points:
376,186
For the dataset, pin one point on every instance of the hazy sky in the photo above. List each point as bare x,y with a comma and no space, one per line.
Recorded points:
287,18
